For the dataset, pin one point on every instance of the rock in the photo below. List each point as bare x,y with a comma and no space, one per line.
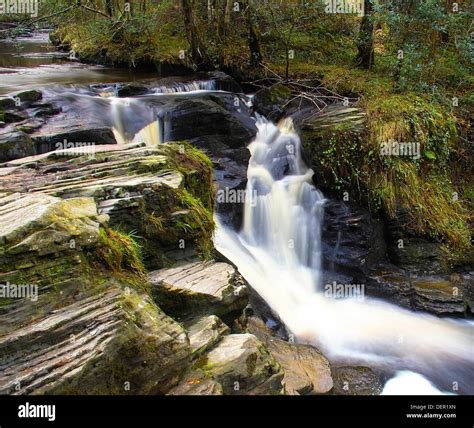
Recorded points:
242,365
418,255
210,115
136,187
271,102
230,176
306,370
196,383
45,110
439,295
205,332
51,137
74,323
110,343
191,288
7,103
130,90
29,96
356,381
353,240
12,116
224,82
78,330
57,222
15,144
325,136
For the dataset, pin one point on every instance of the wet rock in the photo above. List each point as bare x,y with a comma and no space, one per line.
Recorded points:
45,110
306,370
230,176
130,90
210,115
12,116
356,381
7,103
353,240
15,144
224,82
390,283
29,96
191,288
51,137
242,365
439,295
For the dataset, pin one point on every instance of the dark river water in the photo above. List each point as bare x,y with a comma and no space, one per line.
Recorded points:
32,62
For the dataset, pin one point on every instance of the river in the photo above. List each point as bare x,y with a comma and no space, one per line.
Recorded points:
278,249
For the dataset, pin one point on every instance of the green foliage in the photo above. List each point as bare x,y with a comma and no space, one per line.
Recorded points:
150,33
120,251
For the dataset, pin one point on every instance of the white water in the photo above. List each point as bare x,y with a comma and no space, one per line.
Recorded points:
278,251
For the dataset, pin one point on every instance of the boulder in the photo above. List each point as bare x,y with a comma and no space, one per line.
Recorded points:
115,342
15,144
272,102
356,380
306,370
29,96
353,240
7,103
441,295
242,365
195,287
137,187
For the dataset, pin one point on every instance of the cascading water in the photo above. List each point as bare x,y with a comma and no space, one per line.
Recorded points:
278,251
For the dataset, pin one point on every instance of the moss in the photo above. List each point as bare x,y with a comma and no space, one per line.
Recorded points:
346,158
197,170
198,219
122,254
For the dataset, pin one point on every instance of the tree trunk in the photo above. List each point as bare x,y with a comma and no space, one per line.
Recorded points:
198,52
365,42
109,8
253,40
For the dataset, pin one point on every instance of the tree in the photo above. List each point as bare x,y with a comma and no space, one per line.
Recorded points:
253,38
198,51
365,41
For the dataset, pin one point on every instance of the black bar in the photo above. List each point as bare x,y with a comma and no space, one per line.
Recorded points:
136,411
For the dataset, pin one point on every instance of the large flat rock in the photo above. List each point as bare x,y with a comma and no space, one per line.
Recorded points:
195,287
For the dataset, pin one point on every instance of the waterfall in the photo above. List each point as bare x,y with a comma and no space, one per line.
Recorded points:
180,87
278,251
